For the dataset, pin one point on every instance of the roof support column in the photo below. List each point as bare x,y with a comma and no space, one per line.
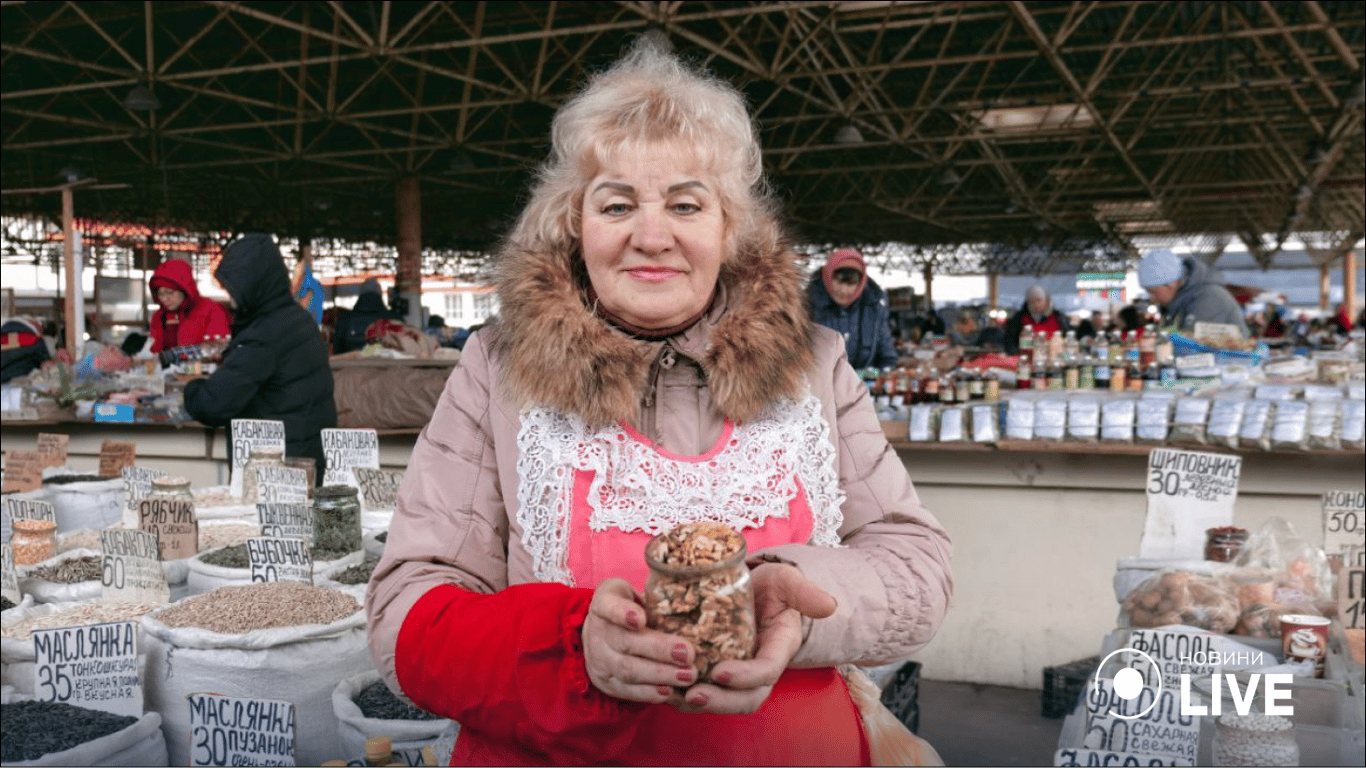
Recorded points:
993,290
928,273
75,323
408,278
1324,284
1349,281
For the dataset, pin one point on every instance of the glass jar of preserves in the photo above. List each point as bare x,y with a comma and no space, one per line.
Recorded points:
1223,544
33,541
336,520
1255,739
177,488
260,457
699,588
310,467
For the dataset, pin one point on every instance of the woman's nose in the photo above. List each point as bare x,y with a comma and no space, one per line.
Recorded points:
653,232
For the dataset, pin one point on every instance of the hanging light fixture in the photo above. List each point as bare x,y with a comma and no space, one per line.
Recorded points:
848,134
141,99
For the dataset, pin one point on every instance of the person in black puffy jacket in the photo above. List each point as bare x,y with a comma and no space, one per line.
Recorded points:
276,365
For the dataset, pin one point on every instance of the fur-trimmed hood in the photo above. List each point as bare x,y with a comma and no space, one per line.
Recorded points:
754,345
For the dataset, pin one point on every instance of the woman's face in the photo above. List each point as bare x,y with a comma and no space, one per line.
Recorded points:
653,237
170,298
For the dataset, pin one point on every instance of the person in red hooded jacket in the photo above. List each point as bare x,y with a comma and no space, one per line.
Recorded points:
185,318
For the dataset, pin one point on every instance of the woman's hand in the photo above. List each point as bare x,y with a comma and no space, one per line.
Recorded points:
782,596
626,659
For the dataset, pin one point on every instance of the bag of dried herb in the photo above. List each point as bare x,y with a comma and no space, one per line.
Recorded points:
699,588
366,707
280,640
230,566
51,733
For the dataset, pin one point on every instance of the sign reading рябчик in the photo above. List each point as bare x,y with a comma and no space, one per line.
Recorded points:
93,666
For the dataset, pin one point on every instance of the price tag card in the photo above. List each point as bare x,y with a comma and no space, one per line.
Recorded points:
30,509
1344,521
281,485
130,568
115,455
23,471
174,524
94,666
228,730
1175,653
1207,332
9,577
52,449
137,484
1188,492
378,487
348,448
1351,586
1097,758
286,521
279,560
1149,723
253,435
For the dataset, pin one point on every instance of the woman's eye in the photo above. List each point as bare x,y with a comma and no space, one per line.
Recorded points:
686,208
616,209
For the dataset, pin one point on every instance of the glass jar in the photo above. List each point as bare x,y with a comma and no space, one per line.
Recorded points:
699,588
336,519
33,541
1222,545
177,488
309,465
1255,739
258,458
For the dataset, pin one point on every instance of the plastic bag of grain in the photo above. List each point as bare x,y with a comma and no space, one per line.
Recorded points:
83,501
351,578
205,574
365,708
17,625
281,640
71,577
49,733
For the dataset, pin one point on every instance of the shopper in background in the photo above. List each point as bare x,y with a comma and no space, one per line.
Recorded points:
1188,291
651,316
22,349
843,297
276,365
184,318
1036,313
348,334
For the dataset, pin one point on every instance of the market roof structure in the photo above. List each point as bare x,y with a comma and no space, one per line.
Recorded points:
1049,135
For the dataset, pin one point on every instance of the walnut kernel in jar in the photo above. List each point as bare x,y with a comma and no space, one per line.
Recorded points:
699,588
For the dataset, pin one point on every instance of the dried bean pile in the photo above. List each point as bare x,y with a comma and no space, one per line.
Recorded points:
357,574
78,615
72,571
236,556
32,729
237,609
377,701
68,479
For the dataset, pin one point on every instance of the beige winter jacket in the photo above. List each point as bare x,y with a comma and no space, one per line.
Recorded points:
457,519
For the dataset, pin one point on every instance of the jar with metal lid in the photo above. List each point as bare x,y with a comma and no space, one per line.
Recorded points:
33,541
336,519
258,458
699,588
1223,544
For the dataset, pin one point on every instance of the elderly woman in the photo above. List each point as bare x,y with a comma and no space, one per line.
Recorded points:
653,364
1036,315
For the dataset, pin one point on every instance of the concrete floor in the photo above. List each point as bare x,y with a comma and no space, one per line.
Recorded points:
973,724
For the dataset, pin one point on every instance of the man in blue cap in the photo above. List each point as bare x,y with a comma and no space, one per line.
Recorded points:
1188,291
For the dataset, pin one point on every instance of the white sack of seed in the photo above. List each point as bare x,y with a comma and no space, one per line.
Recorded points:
46,591
141,743
300,664
409,736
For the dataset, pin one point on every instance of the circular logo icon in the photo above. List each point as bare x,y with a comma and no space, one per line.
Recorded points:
1128,682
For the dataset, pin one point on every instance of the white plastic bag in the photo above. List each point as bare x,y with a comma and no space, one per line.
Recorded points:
300,664
140,744
353,727
94,504
204,577
45,591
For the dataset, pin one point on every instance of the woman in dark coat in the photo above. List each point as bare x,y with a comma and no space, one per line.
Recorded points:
276,365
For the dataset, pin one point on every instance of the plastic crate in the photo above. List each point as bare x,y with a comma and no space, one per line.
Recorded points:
902,695
1184,346
1063,685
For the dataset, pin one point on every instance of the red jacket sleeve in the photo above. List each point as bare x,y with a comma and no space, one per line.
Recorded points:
510,666
218,323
